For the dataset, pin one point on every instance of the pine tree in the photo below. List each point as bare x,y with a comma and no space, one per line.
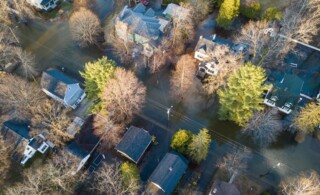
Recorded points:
96,75
243,94
228,11
308,118
199,146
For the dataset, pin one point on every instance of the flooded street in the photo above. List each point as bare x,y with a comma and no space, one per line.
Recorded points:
52,45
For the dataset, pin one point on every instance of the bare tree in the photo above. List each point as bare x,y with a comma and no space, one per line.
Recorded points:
182,31
200,9
264,127
18,96
121,48
4,159
235,161
123,96
103,126
51,118
252,35
159,60
15,9
107,180
55,177
304,184
26,62
300,22
85,27
183,75
225,63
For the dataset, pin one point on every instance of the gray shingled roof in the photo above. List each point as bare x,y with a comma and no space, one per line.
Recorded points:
141,22
169,171
174,10
56,82
134,143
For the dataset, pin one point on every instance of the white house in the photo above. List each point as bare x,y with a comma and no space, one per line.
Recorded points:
44,4
35,144
62,88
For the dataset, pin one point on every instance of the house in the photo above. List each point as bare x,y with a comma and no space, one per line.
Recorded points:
138,25
62,88
45,5
285,94
37,143
16,132
223,188
81,154
206,45
168,173
134,143
176,11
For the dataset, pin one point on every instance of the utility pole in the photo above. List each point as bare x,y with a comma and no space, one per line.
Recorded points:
168,112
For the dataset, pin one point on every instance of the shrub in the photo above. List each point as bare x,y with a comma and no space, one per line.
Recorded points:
181,140
251,11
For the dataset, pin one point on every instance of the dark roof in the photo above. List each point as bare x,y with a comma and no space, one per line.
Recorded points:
75,149
288,90
169,171
36,142
45,2
56,82
134,143
19,127
223,188
208,43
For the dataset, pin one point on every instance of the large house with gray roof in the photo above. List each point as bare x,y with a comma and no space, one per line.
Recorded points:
62,88
138,25
168,173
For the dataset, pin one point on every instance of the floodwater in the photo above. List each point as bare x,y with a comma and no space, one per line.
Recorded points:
52,45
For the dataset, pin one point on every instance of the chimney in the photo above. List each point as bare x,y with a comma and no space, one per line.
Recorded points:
122,12
170,169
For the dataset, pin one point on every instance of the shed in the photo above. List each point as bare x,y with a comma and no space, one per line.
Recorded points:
168,172
134,143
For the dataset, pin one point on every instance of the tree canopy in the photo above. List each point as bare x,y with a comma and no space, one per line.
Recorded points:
229,9
129,176
199,146
308,118
181,140
242,95
96,75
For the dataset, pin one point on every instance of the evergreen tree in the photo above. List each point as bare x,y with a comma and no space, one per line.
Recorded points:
228,11
199,146
96,74
243,94
308,118
181,140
